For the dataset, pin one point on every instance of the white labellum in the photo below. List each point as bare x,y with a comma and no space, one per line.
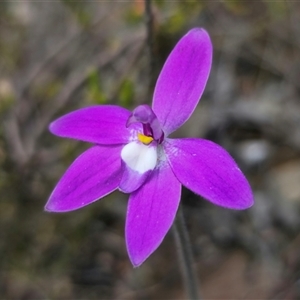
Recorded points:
139,157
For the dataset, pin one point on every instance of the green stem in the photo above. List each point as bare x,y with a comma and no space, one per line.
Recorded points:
186,256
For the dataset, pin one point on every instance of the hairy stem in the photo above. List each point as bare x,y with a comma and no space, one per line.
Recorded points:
186,256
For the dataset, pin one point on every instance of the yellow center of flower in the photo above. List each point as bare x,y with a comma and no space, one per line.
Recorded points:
146,140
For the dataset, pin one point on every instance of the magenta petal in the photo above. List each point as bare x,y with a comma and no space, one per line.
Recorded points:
105,124
93,175
131,180
151,212
182,80
208,170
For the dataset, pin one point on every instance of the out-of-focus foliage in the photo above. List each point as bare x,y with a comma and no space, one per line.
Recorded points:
94,89
63,55
134,15
79,9
126,94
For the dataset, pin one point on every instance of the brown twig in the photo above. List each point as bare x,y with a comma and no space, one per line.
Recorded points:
150,43
71,87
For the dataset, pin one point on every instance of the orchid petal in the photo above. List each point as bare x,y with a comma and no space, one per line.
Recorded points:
131,180
151,212
138,160
208,170
93,175
182,80
105,124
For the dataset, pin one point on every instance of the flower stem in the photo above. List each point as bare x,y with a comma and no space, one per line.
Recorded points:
186,256
150,42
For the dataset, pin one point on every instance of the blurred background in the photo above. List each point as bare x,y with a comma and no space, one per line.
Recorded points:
57,56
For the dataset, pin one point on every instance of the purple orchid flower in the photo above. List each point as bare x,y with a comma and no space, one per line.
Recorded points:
133,153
